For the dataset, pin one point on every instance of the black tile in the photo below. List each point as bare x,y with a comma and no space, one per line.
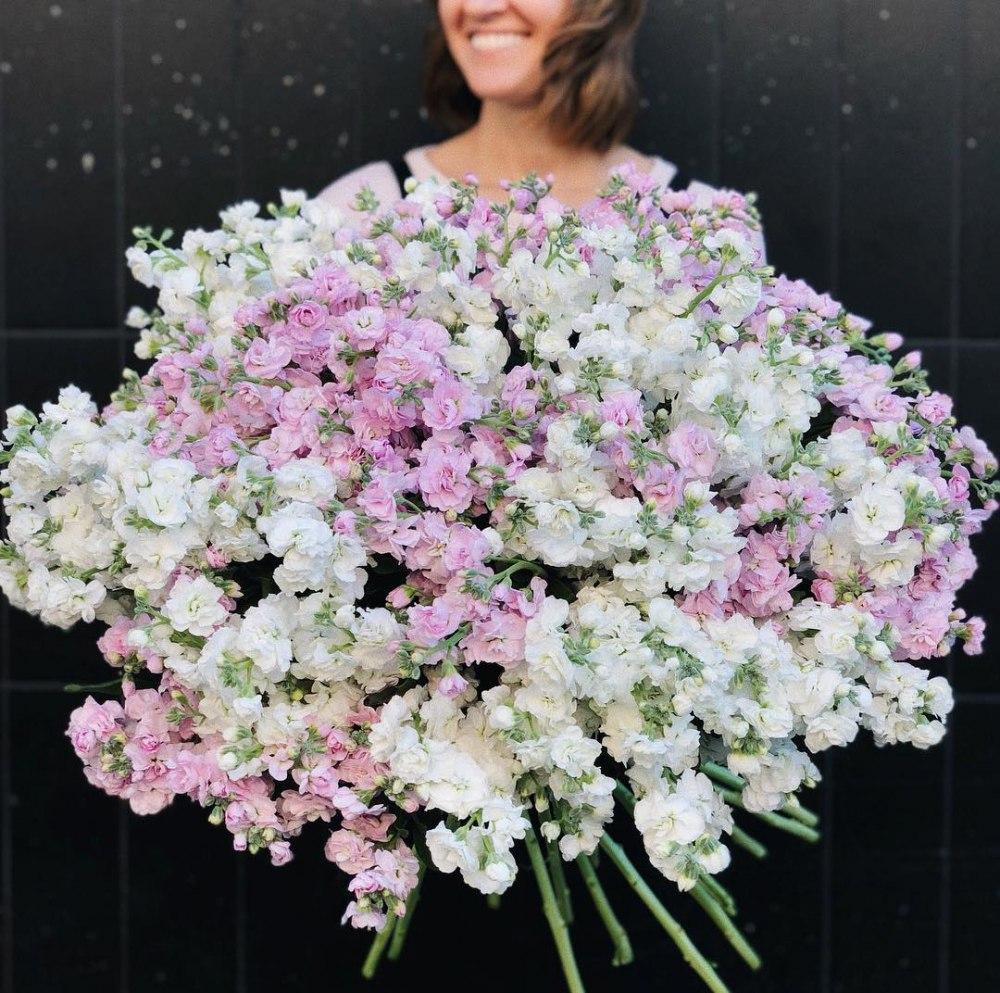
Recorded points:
881,789
44,653
39,364
779,77
180,127
679,67
301,98
65,877
975,902
979,141
201,878
886,920
897,113
59,163
392,61
974,821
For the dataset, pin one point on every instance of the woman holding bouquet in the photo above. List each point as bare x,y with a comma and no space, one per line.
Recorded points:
544,86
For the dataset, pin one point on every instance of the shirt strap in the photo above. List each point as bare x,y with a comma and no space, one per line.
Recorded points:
402,171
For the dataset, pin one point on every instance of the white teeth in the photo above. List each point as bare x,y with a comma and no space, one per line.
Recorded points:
493,41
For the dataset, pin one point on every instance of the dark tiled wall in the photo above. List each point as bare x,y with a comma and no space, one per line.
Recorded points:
870,128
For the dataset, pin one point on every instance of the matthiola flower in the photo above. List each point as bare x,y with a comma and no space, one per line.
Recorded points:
457,524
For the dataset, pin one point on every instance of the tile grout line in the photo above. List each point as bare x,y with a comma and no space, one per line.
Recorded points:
954,328
118,124
718,52
6,746
241,962
834,248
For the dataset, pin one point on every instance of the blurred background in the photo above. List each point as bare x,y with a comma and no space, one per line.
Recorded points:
871,131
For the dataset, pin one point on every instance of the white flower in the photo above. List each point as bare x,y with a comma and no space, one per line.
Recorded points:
194,605
875,512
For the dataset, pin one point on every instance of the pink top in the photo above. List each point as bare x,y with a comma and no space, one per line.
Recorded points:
381,177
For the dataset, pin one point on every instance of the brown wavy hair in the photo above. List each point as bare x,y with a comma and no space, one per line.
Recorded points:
590,92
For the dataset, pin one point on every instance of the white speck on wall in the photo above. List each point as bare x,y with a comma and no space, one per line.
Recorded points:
223,122
884,15
393,113
765,99
53,128
224,150
292,144
156,58
343,139
6,68
847,108
55,10
87,161
257,27
51,164
177,76
196,79
319,90
971,143
86,124
156,162
275,131
180,24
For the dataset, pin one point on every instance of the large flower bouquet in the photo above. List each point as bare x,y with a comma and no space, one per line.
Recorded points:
459,527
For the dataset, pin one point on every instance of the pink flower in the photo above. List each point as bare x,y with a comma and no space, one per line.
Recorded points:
935,407
452,685
92,724
693,448
265,359
444,478
349,851
449,405
429,625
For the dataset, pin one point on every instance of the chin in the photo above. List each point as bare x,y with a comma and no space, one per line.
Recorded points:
505,84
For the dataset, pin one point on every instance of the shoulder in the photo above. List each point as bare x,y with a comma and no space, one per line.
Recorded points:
379,176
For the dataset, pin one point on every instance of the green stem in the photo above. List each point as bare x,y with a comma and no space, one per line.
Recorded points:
399,934
725,925
619,937
802,814
719,892
493,901
518,566
707,291
731,781
750,844
370,967
624,796
560,933
111,684
561,886
692,956
775,820
722,775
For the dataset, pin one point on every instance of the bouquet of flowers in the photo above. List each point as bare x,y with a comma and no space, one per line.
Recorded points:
458,527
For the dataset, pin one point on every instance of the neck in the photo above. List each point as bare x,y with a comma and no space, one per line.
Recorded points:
510,140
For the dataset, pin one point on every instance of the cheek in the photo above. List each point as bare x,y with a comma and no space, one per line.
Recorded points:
450,14
545,16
